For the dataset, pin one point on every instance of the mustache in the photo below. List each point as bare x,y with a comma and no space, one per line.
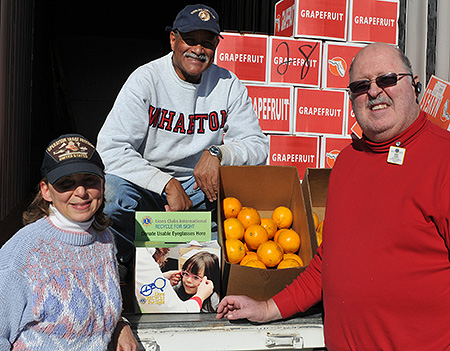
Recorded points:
379,100
201,57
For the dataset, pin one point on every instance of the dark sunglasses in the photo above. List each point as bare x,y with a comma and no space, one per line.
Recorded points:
383,81
208,43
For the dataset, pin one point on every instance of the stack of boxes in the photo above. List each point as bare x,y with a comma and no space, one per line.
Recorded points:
297,78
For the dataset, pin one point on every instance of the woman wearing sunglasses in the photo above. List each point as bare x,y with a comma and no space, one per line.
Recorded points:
59,285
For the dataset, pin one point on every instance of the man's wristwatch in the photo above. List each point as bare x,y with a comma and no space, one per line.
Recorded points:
215,151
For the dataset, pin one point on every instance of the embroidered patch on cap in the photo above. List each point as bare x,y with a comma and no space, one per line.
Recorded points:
204,14
70,148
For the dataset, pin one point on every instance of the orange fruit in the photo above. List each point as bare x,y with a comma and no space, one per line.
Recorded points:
270,225
293,257
255,235
248,216
277,234
231,207
233,228
288,263
289,241
316,220
270,253
319,233
255,264
235,250
250,256
282,217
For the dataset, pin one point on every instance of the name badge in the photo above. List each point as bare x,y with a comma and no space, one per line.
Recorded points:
396,155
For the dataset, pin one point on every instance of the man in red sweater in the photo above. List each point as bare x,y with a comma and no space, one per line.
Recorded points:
383,270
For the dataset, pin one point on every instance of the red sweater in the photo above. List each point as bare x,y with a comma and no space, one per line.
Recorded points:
383,267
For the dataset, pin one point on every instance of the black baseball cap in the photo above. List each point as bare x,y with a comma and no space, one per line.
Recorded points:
196,17
70,154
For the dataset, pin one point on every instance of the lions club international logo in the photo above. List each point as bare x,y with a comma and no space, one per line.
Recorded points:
147,221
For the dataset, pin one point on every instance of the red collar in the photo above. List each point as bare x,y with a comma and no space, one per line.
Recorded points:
400,140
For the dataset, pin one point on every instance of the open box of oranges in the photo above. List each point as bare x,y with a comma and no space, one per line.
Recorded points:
269,202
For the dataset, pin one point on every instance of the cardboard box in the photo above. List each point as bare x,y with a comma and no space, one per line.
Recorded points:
273,106
295,61
331,148
284,18
352,125
436,101
324,19
374,21
320,111
263,188
301,151
245,55
337,58
315,188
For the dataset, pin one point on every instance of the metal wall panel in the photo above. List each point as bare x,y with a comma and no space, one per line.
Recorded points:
16,43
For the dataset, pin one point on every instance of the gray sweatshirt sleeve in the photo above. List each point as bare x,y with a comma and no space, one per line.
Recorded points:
122,136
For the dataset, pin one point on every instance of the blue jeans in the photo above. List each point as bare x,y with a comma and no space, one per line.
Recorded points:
123,198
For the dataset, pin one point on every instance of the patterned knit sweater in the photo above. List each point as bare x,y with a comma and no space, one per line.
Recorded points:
58,290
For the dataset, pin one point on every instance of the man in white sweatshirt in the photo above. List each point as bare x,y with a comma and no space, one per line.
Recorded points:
174,122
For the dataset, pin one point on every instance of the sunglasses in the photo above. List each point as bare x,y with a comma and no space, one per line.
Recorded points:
209,43
383,81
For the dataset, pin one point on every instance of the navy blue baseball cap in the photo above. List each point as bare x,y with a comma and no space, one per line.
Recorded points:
70,154
196,17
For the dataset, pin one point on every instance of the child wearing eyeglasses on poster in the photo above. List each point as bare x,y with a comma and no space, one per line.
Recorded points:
194,269
154,289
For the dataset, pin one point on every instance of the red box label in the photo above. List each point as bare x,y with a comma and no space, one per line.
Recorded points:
244,55
299,151
332,148
272,106
295,61
322,19
336,64
352,125
319,111
284,18
375,21
436,102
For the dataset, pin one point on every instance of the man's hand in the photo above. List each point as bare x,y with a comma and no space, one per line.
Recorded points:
206,174
173,276
241,307
177,198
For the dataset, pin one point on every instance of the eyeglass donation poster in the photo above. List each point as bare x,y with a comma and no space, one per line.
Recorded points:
436,102
174,256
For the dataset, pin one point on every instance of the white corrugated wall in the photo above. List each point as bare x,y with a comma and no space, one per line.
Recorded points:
418,46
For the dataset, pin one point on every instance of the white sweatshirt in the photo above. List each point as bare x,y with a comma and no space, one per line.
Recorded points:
160,125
